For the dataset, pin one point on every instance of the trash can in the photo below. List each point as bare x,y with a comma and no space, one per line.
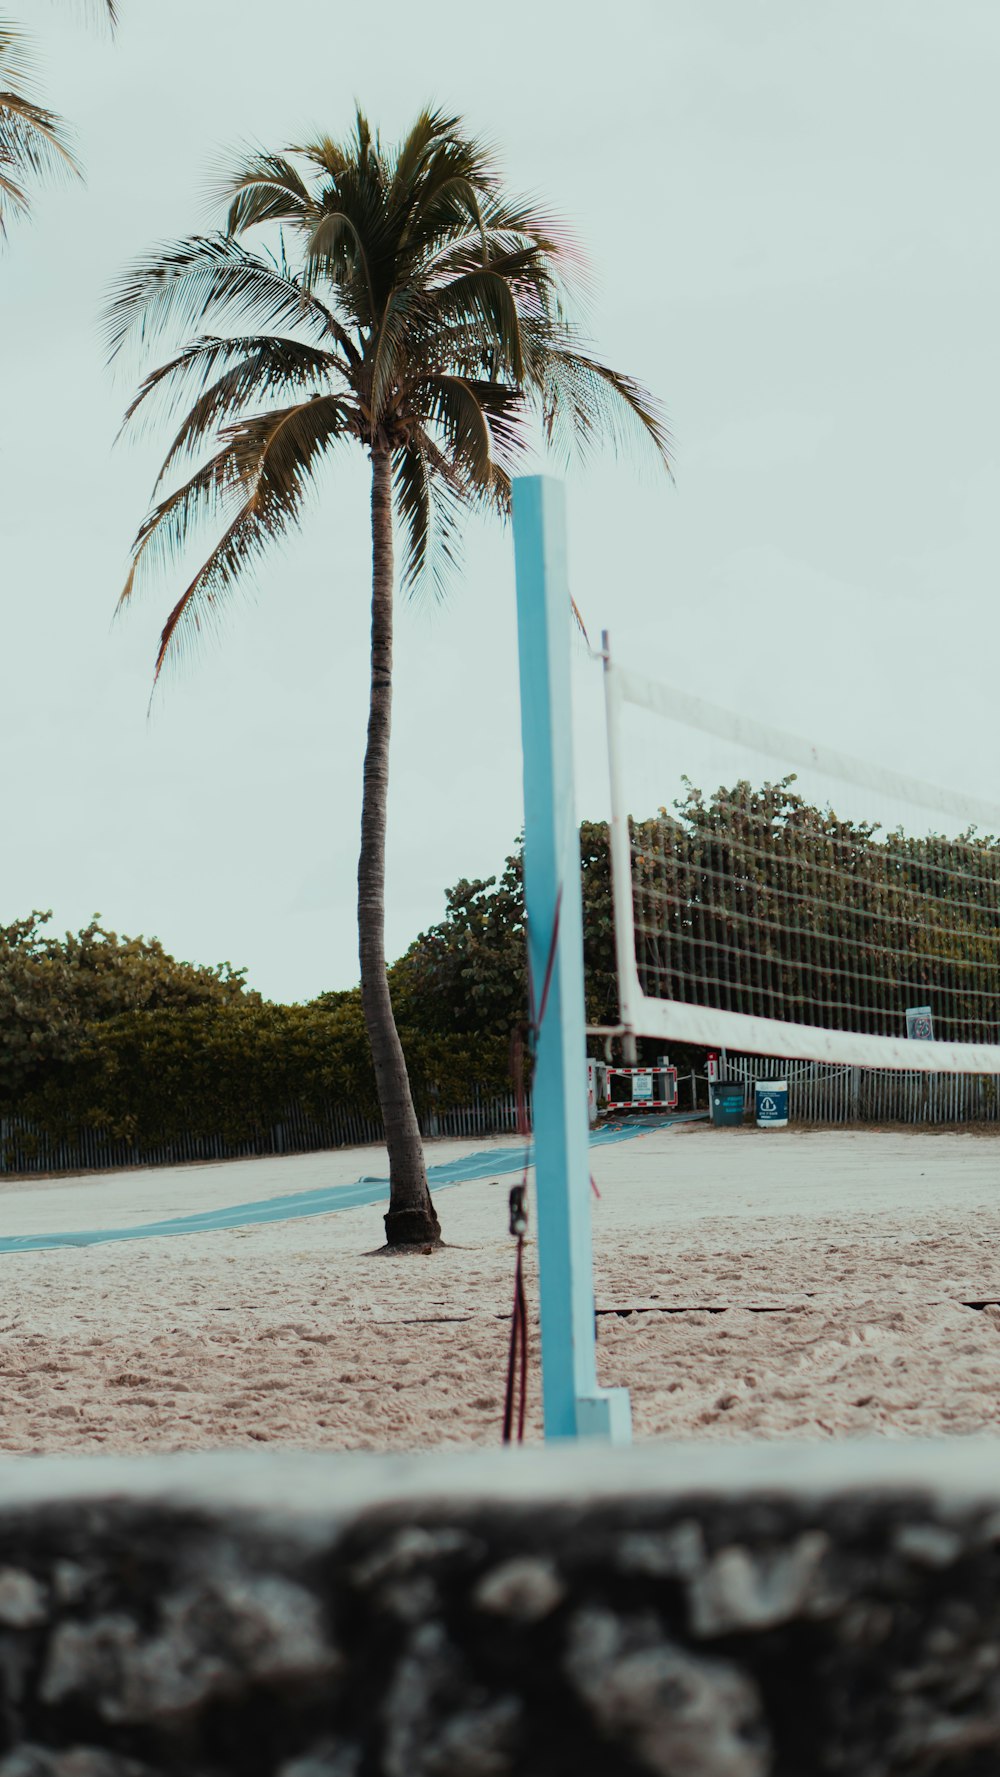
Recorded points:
771,1103
728,1103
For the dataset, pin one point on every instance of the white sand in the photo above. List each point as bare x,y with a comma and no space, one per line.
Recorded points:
867,1244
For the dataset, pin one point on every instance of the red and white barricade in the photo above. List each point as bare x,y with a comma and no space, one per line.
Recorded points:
641,1089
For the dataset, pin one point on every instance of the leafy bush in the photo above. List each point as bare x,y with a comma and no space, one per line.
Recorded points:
234,1071
469,972
53,990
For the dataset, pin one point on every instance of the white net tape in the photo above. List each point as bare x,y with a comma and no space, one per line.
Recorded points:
752,916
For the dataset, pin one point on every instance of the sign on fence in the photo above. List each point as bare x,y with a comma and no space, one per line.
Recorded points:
919,1024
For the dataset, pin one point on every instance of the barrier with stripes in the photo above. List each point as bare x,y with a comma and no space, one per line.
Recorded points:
640,1088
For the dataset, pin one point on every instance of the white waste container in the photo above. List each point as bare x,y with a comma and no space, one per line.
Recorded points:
771,1103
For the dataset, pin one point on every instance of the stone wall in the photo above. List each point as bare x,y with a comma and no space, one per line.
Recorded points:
723,1611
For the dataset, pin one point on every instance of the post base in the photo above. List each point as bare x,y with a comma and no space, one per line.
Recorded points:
607,1414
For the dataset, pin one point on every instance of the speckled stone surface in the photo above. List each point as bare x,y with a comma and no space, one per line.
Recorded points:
688,1612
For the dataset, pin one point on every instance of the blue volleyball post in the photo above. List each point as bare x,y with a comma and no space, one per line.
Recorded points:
573,1404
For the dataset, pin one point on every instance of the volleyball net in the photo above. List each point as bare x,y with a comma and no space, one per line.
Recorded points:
795,900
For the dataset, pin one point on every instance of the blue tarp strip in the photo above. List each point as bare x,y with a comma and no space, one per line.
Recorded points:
491,1164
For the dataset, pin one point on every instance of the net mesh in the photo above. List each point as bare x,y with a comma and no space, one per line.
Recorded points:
806,889
751,900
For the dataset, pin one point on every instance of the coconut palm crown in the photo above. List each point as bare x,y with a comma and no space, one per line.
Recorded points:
34,142
407,306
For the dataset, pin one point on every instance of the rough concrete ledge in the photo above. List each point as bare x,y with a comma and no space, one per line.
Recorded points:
700,1611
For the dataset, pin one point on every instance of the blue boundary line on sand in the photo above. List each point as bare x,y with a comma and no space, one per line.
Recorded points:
332,1197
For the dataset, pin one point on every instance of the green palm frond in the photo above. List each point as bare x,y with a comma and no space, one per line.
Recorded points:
34,142
430,502
408,303
166,530
256,369
265,188
104,9
335,251
13,199
585,404
508,416
210,276
439,182
325,155
18,62
430,133
483,302
260,477
454,411
497,499
391,352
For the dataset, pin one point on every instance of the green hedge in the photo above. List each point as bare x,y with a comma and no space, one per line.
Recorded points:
233,1071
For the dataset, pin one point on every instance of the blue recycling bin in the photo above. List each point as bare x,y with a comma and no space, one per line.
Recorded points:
771,1104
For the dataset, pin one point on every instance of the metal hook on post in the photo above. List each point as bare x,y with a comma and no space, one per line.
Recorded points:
517,1356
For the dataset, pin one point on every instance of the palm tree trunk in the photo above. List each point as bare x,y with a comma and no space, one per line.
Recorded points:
411,1219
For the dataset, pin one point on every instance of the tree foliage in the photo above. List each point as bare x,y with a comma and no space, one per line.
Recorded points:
34,141
756,901
54,990
409,305
750,899
469,972
822,920
235,1069
389,298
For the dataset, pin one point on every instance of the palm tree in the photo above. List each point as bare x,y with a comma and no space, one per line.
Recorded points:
413,309
34,142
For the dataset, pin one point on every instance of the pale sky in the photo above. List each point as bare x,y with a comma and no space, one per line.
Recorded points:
789,208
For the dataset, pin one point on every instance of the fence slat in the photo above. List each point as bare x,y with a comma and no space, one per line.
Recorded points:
823,1092
27,1150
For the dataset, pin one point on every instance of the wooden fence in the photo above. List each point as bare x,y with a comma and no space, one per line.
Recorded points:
821,1093
25,1149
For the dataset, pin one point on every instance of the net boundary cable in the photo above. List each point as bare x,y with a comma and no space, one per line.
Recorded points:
759,737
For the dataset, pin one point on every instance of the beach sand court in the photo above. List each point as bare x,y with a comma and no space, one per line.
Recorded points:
749,1284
